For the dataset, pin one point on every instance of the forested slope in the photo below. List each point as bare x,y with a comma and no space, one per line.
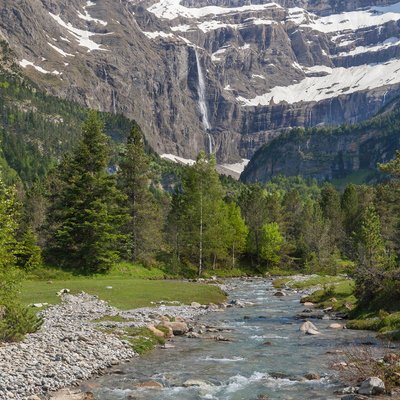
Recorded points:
331,152
36,129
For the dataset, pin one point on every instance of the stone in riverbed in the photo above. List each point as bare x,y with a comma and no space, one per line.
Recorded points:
308,304
279,293
155,331
372,385
195,304
312,376
312,332
336,326
306,326
196,382
178,328
221,338
150,385
193,335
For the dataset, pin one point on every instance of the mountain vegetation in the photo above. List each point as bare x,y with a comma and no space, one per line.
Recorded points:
83,192
342,154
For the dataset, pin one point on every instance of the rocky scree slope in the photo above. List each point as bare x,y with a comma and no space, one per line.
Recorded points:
220,75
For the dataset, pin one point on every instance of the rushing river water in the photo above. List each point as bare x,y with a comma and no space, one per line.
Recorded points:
269,356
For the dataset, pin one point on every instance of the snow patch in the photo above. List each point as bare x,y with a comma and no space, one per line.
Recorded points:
81,36
245,46
171,9
237,167
88,17
339,81
58,50
353,20
390,42
181,28
155,35
214,56
25,63
177,159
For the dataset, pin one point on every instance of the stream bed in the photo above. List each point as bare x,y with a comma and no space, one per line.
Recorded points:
268,355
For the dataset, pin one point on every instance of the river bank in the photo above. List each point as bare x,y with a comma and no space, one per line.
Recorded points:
74,344
264,354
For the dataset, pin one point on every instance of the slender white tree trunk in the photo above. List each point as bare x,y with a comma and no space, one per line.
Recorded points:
201,230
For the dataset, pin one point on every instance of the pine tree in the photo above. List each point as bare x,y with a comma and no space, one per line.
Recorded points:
85,214
372,260
28,253
254,207
15,319
350,208
9,276
332,212
144,225
388,204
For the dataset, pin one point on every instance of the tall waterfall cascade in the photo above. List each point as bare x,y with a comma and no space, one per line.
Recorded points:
201,88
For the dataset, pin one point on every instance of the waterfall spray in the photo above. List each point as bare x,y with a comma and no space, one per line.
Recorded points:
202,102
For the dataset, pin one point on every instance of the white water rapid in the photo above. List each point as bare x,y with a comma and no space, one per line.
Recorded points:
202,102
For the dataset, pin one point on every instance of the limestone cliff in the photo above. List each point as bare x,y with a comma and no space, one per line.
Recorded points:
220,75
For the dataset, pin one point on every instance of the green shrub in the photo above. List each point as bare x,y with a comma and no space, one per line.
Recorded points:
371,324
16,321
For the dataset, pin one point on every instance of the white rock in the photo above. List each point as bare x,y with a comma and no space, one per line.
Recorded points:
336,326
372,385
312,332
306,326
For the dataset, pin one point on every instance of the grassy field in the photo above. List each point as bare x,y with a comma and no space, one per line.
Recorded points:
126,286
126,293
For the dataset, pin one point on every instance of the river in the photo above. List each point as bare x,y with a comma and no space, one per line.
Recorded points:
268,355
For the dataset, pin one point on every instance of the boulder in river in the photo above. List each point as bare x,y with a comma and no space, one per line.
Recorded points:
178,327
150,385
336,326
196,382
279,293
306,326
312,376
155,331
372,385
312,332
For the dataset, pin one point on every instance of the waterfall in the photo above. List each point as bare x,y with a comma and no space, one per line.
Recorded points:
114,103
384,97
202,102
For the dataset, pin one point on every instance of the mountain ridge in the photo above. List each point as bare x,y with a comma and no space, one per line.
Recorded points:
139,58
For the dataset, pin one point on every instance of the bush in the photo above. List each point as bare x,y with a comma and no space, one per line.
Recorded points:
16,321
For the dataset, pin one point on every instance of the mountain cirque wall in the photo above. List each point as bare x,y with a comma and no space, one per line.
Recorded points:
329,153
266,66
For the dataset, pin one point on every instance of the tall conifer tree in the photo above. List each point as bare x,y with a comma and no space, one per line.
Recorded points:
85,216
144,226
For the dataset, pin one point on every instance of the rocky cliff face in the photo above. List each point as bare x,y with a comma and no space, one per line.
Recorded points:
220,75
326,154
